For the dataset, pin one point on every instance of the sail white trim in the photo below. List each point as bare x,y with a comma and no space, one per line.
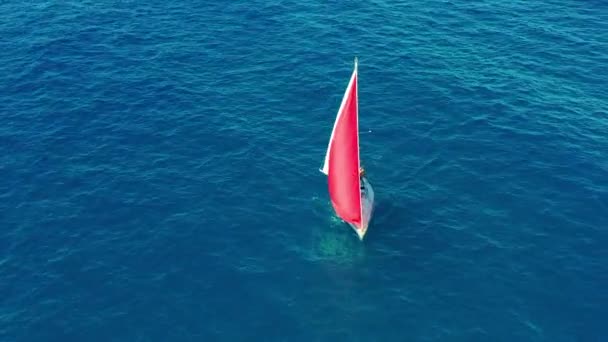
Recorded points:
325,168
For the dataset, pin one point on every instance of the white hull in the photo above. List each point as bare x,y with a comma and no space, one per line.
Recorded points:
367,202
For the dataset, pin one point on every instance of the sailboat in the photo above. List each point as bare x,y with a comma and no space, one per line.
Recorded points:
352,196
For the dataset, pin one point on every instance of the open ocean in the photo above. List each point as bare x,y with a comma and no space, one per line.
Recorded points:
159,174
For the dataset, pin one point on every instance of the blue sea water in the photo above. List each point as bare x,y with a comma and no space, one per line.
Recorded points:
159,171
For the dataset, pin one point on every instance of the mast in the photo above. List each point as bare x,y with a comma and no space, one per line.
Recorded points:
358,142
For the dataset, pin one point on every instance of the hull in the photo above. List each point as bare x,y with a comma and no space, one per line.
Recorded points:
367,201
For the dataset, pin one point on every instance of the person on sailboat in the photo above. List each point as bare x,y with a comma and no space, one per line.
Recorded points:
361,175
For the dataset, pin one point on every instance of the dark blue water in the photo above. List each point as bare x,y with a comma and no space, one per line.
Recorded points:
159,171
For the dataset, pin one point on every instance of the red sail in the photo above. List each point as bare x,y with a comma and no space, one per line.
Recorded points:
343,170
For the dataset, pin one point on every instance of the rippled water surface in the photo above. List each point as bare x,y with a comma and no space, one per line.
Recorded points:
159,177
